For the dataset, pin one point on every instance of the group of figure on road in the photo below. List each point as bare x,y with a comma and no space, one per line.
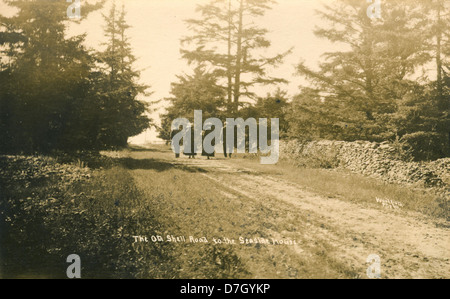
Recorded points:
190,151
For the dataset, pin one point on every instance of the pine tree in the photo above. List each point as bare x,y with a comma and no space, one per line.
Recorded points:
441,10
423,118
199,91
366,80
124,115
226,39
440,29
47,79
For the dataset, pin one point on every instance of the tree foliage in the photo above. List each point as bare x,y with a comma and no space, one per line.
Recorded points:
227,39
53,94
374,90
124,115
199,91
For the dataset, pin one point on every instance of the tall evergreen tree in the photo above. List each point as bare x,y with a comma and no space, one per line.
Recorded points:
440,20
423,118
46,80
124,115
367,79
441,30
227,39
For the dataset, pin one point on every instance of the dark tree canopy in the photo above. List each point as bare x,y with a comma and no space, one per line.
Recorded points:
54,95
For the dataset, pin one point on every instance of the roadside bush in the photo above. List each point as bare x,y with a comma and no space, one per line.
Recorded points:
427,146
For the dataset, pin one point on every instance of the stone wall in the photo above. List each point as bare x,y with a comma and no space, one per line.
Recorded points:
368,158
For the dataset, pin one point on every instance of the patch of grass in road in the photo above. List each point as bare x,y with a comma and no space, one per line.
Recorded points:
354,187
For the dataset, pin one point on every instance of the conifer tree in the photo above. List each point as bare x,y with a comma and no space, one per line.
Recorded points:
199,91
227,39
46,79
367,79
125,115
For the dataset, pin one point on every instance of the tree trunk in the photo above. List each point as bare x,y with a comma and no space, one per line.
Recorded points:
113,47
442,101
237,78
438,52
229,70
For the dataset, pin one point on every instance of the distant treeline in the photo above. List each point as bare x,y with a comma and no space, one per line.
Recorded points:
390,84
55,94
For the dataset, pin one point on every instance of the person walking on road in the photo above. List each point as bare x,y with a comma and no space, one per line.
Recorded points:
176,146
227,144
189,143
204,153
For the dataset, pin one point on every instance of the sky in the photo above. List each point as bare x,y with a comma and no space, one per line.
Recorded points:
158,25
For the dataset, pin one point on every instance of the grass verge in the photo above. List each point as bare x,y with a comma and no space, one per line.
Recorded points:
354,187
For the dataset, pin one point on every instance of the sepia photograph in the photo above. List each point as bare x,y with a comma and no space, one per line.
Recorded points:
225,140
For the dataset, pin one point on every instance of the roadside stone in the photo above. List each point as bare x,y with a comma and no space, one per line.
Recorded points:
368,158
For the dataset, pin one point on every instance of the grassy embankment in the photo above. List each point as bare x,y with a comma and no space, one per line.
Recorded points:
49,211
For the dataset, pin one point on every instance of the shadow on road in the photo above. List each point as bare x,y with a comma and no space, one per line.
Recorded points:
154,164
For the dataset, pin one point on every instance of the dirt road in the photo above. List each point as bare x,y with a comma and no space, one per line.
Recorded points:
410,245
